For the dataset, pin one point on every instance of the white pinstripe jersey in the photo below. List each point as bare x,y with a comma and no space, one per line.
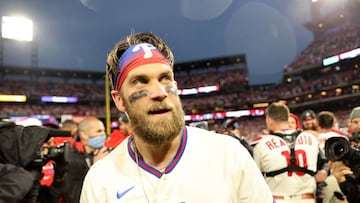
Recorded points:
207,167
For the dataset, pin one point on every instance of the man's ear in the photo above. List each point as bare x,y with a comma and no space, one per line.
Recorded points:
83,136
119,103
268,120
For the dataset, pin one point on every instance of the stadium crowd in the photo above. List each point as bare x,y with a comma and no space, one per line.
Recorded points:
304,89
222,76
294,93
336,41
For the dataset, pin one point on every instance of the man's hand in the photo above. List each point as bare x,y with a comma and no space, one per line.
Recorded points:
340,170
321,175
100,153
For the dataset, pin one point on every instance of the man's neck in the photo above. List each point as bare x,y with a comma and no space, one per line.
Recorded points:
323,130
156,156
281,127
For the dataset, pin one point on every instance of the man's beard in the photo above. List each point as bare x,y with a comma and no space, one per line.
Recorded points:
310,126
156,131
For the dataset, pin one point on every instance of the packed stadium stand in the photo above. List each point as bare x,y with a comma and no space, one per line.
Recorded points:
307,83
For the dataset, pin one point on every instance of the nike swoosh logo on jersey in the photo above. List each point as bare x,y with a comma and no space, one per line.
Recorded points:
119,195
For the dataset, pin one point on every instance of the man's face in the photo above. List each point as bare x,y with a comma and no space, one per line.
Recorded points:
292,123
94,129
309,124
149,96
126,128
97,129
354,125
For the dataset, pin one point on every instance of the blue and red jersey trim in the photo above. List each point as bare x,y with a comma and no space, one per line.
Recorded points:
170,166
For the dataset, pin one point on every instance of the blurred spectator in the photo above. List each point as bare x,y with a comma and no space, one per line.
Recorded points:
294,122
346,172
354,126
70,126
354,120
118,135
87,149
48,167
308,120
231,127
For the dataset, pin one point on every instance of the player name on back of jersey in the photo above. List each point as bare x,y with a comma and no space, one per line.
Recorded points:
277,142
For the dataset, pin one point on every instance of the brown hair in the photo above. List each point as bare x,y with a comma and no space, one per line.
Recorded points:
112,61
278,112
326,119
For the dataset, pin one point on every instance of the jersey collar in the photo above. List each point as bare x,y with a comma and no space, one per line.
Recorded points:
170,166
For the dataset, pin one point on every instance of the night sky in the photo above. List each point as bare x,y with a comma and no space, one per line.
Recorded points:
79,34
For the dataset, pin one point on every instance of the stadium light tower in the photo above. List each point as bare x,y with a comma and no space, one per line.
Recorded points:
20,29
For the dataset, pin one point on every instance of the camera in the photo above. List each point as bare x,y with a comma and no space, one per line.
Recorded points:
25,147
355,137
339,149
58,154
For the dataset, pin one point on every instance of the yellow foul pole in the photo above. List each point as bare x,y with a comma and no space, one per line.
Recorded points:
107,104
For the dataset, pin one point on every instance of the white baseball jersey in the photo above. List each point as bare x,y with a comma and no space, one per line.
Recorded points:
207,167
272,153
323,136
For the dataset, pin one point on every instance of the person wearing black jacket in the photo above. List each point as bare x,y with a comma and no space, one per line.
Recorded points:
19,173
348,175
87,149
349,186
15,183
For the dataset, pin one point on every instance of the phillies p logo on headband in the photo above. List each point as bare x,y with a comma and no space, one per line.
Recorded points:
135,56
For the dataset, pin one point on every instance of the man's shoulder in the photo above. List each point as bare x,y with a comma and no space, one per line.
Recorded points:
338,132
206,134
260,138
104,164
309,132
210,138
198,133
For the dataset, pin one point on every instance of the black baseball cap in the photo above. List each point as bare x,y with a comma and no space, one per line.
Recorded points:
230,124
307,115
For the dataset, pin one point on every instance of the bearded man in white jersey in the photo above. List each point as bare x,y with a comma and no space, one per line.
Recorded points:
287,158
164,160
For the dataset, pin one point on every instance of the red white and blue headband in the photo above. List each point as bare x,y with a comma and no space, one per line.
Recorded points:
135,56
